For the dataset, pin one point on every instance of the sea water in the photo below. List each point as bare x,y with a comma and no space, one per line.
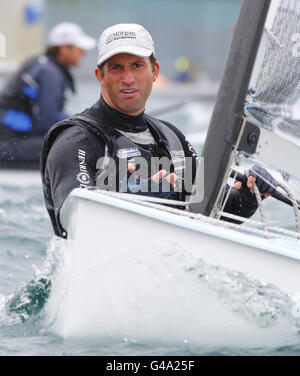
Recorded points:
181,305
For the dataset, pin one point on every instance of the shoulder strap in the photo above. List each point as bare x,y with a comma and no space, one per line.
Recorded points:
169,137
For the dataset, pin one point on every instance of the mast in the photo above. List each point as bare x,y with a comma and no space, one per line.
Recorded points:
228,112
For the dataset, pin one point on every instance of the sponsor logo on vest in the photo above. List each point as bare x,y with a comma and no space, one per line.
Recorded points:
177,153
120,35
128,153
83,177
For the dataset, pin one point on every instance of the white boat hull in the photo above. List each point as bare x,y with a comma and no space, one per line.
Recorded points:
98,225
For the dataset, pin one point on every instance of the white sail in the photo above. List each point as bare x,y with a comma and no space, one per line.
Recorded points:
275,84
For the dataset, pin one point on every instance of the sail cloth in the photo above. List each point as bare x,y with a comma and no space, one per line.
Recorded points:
274,93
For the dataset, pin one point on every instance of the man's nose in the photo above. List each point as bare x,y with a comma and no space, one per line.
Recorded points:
127,77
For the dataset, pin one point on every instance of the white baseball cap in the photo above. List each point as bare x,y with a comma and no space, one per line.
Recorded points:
70,34
124,38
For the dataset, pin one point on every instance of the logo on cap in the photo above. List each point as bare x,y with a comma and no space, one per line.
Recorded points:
120,35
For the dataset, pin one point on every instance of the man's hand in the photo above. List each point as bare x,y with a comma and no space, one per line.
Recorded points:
171,178
156,178
265,182
164,181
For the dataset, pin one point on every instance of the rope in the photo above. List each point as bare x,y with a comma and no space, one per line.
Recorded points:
252,222
288,195
295,205
261,209
214,212
263,178
224,201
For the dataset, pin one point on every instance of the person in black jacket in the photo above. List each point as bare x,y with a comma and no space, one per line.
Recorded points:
33,98
107,144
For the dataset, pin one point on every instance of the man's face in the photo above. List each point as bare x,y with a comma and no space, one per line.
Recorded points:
71,55
127,82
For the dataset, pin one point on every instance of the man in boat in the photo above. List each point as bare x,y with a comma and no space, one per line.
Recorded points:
33,98
88,149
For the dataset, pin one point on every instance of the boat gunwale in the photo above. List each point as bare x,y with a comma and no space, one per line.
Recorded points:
285,247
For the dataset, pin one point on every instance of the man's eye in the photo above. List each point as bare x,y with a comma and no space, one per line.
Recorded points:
115,67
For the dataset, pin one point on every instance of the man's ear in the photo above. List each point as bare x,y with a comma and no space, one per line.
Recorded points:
156,71
99,75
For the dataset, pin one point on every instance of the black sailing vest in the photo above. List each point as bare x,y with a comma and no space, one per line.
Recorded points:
119,147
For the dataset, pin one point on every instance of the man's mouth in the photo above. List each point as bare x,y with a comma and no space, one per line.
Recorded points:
128,91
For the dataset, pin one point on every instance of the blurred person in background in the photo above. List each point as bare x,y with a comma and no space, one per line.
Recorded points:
33,98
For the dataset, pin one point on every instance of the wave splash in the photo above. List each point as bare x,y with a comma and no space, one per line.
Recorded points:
29,300
158,295
166,295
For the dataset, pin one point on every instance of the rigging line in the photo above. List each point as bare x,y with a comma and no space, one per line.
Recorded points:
227,174
295,205
287,194
271,225
227,196
262,177
261,209
277,195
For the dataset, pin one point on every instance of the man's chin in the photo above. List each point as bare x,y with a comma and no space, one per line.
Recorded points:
131,111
